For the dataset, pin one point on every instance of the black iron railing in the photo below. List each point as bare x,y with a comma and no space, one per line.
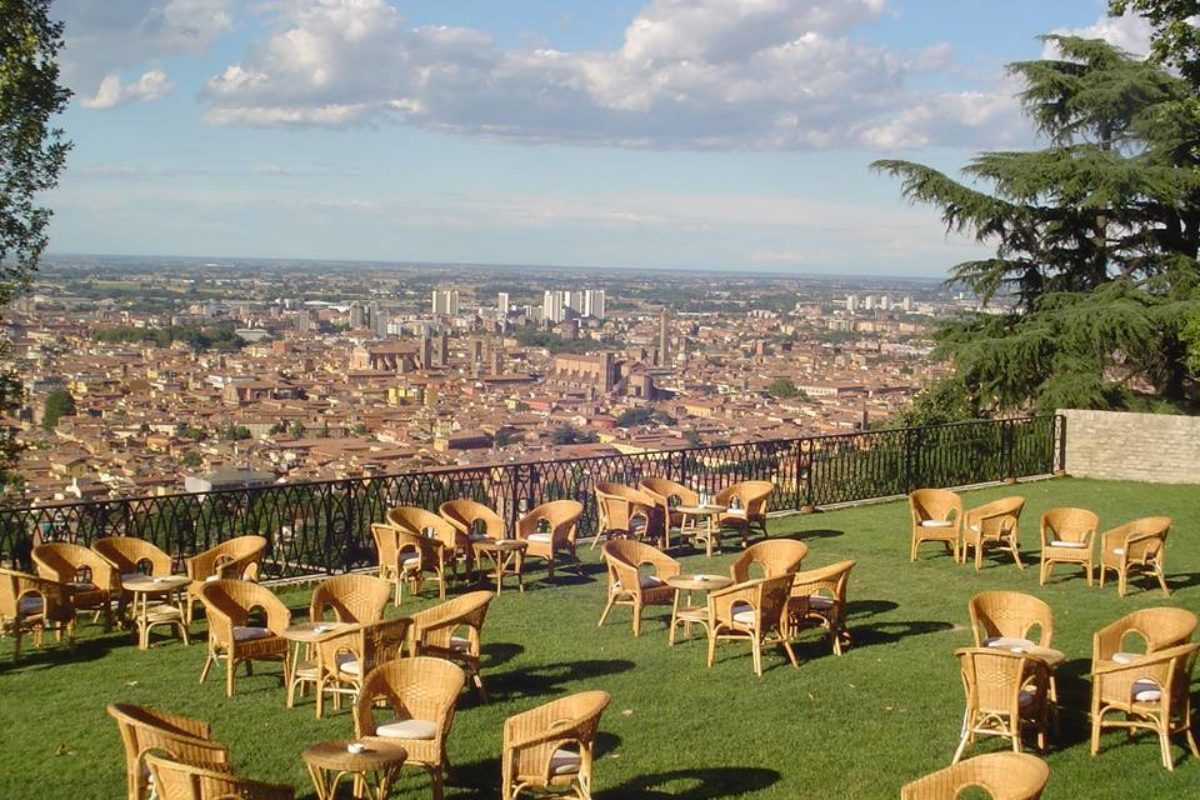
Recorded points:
324,527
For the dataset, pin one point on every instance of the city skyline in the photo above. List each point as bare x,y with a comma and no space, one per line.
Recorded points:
656,135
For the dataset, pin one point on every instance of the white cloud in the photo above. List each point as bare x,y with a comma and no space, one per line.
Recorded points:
1131,33
105,37
111,93
702,74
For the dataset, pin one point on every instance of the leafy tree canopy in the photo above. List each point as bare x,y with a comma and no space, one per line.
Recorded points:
1095,236
59,403
783,389
569,434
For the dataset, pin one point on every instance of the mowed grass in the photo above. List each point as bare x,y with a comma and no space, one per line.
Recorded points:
858,726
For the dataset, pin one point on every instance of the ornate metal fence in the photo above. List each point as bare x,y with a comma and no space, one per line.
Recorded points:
324,527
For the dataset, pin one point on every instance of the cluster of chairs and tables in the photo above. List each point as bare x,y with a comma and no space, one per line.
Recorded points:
1141,664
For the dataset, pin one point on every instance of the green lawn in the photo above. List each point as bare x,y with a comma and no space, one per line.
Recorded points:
859,726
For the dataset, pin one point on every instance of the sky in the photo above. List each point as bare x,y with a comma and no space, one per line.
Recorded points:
712,134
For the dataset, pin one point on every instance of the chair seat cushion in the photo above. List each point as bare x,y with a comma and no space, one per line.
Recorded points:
460,643
1064,543
81,586
422,729
212,578
742,613
540,537
1125,658
819,602
246,633
30,605
1145,690
1118,551
348,664
644,582
411,563
937,523
1026,697
129,576
565,762
1009,643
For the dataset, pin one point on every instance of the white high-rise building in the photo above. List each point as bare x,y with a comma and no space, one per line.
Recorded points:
445,302
906,305
502,304
851,302
553,305
885,302
593,303
869,303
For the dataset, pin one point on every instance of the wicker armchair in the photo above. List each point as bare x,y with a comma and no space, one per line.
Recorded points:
747,502
231,636
993,523
31,604
145,730
1156,628
475,521
1067,535
628,586
349,598
937,516
405,556
130,557
436,632
777,557
1152,693
422,693
1141,544
1011,617
175,780
1004,776
1004,690
90,579
552,746
756,612
346,655
625,512
236,559
550,530
419,522
818,600
667,494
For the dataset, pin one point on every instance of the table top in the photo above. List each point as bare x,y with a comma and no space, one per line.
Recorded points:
379,752
311,631
699,583
149,585
708,509
1048,655
500,544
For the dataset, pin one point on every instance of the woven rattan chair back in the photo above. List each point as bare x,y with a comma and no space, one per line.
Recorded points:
1147,630
146,730
350,598
993,523
748,503
1002,689
538,742
129,554
818,600
1004,776
769,558
1013,615
236,558
473,519
930,510
420,687
420,522
175,780
1068,525
73,564
454,630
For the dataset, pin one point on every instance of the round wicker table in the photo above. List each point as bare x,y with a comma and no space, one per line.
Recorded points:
507,554
145,615
301,635
711,514
374,769
688,612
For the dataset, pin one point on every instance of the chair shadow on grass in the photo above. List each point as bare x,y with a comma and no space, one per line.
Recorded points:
53,653
480,779
812,533
892,632
691,784
549,679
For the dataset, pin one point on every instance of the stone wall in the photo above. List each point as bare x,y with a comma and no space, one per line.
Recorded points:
1156,448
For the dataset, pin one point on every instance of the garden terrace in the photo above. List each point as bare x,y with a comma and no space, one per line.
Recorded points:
858,726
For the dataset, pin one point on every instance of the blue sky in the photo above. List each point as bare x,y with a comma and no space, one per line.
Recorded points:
716,134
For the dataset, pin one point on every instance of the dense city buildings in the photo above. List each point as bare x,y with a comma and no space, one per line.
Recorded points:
181,372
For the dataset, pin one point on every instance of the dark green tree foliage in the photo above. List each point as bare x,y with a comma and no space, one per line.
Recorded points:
783,389
32,154
1096,240
569,434
59,404
220,338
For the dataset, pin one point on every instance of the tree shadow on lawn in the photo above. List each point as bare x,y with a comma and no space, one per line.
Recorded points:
549,679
